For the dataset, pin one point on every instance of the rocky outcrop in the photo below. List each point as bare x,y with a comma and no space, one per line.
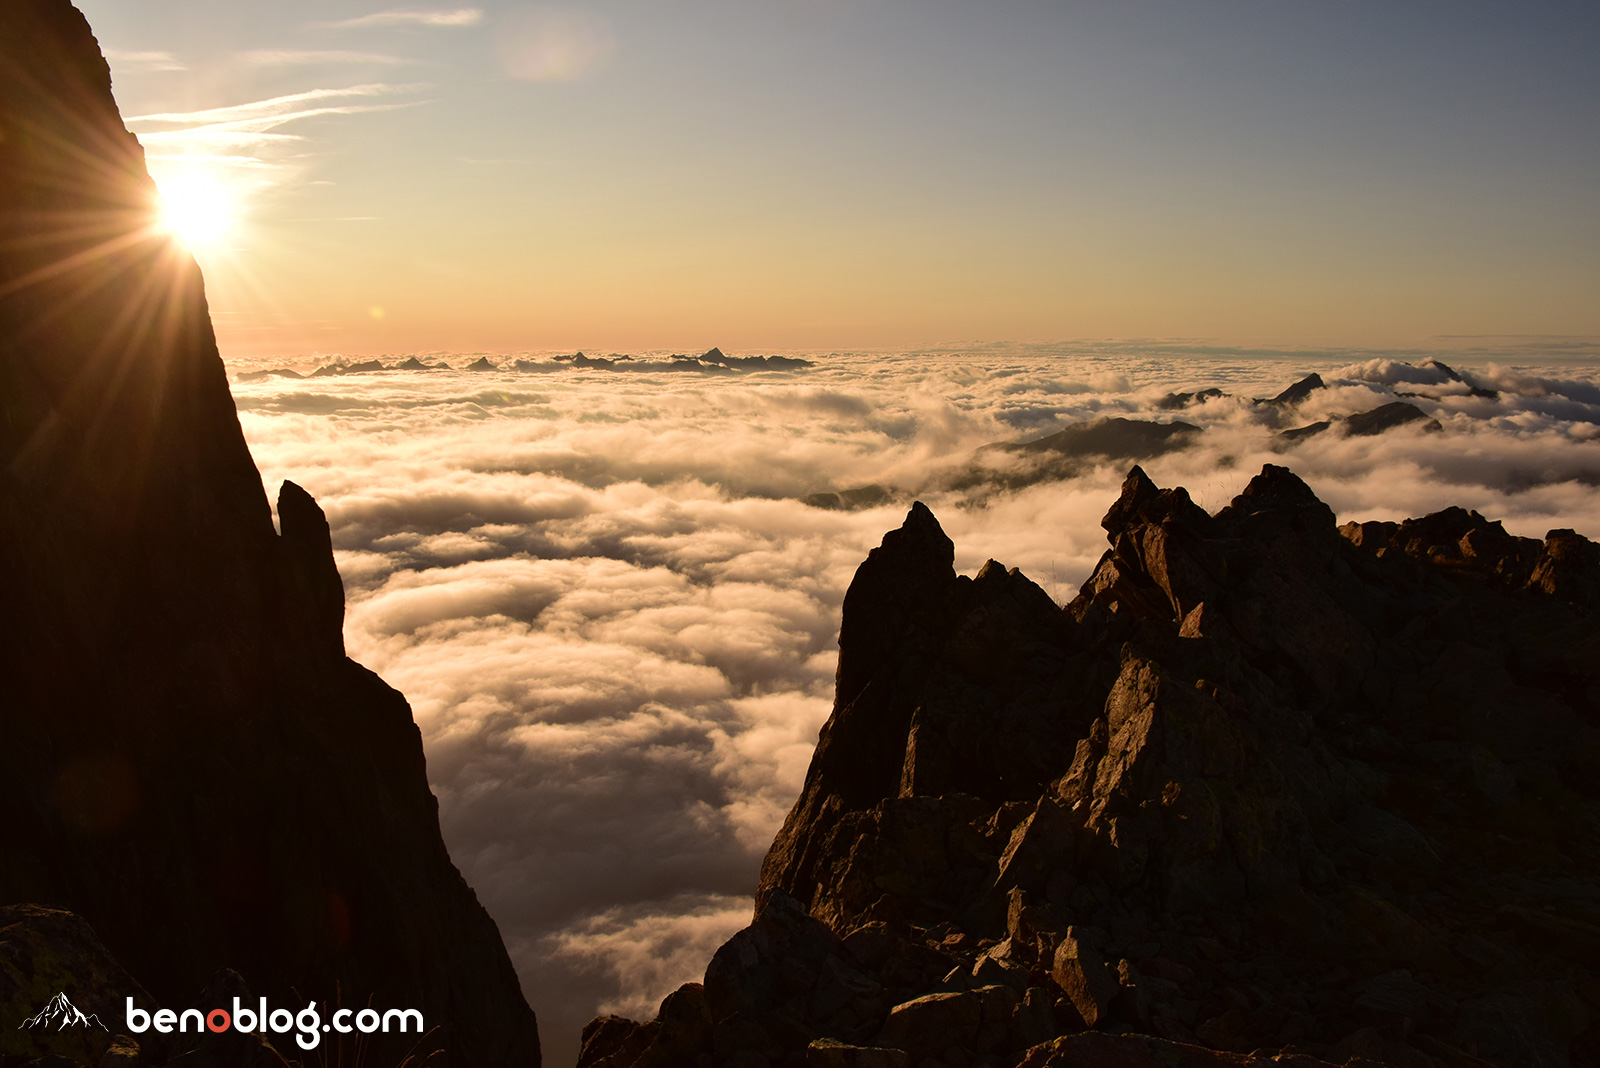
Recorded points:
1267,791
187,759
51,957
48,954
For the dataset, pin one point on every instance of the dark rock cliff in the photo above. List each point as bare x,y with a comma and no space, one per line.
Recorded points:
187,759
1267,788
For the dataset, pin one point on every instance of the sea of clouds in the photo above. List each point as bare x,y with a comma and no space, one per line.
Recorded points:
615,615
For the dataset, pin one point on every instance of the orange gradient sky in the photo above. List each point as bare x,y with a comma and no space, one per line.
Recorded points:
832,173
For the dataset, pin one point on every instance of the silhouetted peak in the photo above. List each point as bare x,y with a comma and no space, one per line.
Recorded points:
1137,492
904,598
992,573
301,519
921,537
1280,493
1114,437
1278,482
1300,390
1387,417
315,583
902,584
1174,401
1142,503
1378,420
1444,369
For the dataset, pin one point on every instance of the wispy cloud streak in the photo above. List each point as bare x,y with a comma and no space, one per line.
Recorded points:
262,109
461,16
143,61
242,128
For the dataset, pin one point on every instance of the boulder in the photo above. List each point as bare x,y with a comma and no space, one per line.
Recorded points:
1081,973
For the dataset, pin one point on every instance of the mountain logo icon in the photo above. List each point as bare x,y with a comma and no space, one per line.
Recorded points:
61,1014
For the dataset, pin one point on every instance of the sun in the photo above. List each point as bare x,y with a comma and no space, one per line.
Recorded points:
198,209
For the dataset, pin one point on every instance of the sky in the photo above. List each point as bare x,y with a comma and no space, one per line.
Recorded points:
614,610
803,174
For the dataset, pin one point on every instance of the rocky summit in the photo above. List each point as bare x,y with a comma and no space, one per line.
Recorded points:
1268,791
188,761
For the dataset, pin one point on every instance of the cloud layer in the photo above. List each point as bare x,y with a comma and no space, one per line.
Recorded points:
615,617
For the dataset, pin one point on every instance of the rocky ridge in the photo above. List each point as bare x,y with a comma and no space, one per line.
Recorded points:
1269,790
709,363
188,761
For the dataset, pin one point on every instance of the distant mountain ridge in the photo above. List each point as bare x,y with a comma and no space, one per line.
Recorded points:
710,363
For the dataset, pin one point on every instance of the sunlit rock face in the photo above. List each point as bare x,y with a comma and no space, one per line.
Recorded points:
1267,786
187,759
